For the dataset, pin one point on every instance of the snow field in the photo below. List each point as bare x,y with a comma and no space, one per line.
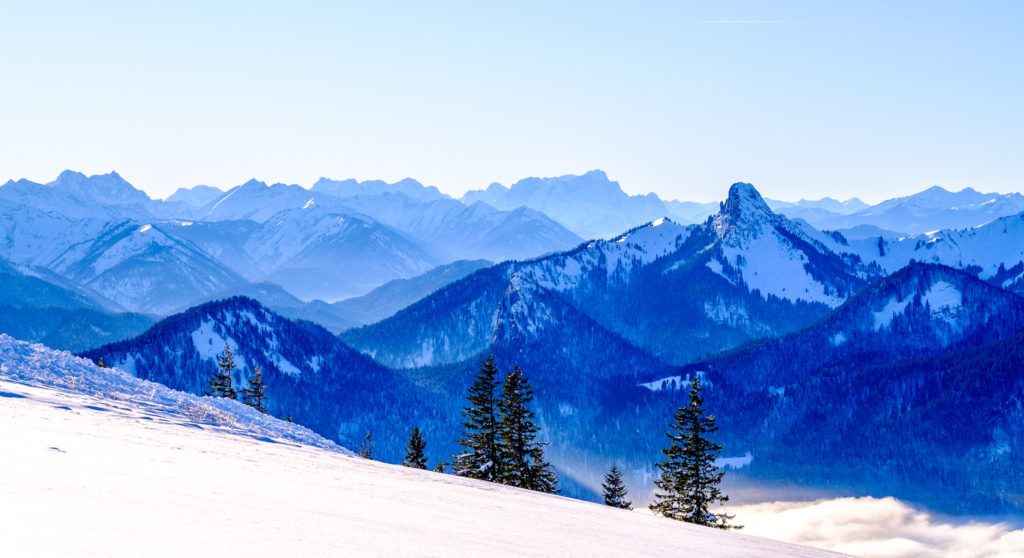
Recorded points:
91,471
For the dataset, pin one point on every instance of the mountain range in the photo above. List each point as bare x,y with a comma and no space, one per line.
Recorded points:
810,345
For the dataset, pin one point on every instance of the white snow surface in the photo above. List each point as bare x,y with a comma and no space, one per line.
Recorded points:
891,309
109,465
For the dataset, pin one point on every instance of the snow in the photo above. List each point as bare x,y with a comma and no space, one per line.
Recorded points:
674,382
839,338
735,462
109,465
942,295
309,204
773,266
145,228
892,309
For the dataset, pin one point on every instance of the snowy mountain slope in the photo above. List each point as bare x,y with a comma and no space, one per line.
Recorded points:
310,374
442,227
143,268
988,250
453,231
793,399
677,292
328,254
929,210
254,200
187,469
196,196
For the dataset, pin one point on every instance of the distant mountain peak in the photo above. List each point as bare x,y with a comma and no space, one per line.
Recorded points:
743,208
104,188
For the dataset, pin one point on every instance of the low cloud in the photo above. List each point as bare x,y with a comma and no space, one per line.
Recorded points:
879,528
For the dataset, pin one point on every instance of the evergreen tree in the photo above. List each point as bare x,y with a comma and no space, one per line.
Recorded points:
481,459
366,448
614,490
220,383
256,394
101,364
522,456
439,468
689,482
414,456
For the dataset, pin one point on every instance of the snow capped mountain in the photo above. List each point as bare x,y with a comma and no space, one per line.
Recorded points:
663,287
352,188
353,395
826,204
330,255
255,201
930,210
196,196
143,268
778,257
452,231
106,189
589,205
991,251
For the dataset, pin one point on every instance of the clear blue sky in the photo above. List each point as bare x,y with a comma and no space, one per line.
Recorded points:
803,99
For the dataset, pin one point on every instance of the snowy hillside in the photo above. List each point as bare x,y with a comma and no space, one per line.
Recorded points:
929,210
676,291
180,475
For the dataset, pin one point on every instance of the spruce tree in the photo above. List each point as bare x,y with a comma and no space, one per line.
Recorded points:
256,394
690,480
481,459
522,456
366,448
439,468
614,490
220,383
414,456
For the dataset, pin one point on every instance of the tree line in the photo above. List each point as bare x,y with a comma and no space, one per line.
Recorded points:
500,441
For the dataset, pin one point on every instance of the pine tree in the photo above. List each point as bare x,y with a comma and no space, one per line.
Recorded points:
522,456
101,364
481,459
614,490
255,395
414,456
220,383
439,468
690,480
366,448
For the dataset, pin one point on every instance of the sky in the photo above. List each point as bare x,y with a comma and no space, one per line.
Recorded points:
802,99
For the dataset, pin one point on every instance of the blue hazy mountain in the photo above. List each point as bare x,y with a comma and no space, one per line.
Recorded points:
310,374
676,291
35,308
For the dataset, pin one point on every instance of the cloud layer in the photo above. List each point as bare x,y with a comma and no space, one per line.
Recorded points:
879,528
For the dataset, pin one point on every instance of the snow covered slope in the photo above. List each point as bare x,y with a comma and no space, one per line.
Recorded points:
990,250
143,268
932,209
108,465
675,291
